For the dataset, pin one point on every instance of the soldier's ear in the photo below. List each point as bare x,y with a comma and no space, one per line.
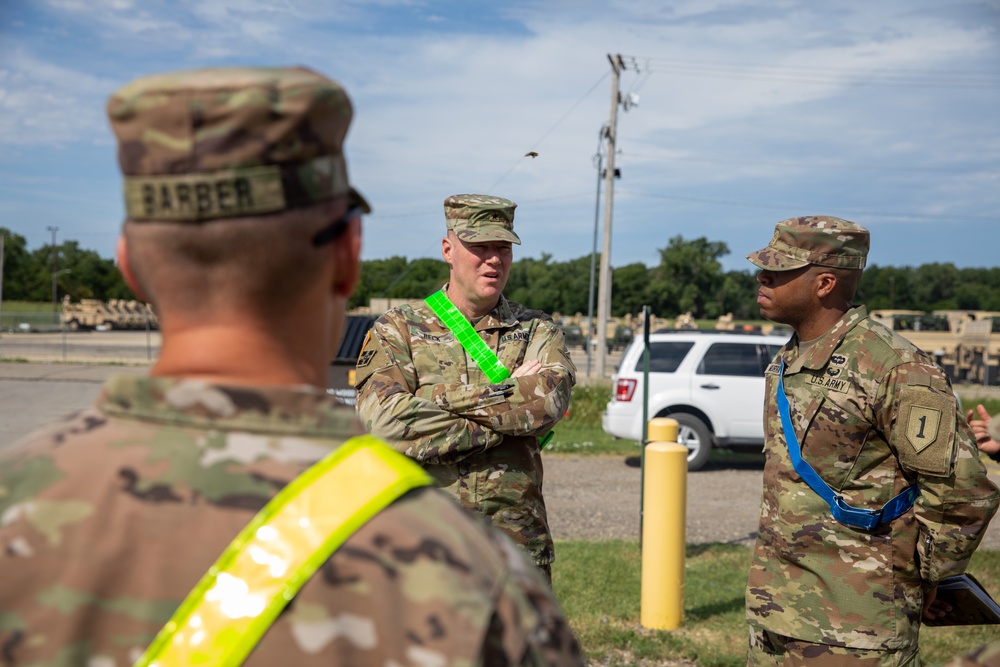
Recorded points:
125,268
826,284
347,262
447,248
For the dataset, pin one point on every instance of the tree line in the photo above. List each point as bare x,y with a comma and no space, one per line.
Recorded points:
80,273
688,278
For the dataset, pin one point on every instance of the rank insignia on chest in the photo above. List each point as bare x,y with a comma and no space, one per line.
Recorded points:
773,369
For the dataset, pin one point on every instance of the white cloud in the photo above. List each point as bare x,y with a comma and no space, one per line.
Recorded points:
759,104
46,103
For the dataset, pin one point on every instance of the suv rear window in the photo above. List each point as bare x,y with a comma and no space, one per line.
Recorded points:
740,359
665,357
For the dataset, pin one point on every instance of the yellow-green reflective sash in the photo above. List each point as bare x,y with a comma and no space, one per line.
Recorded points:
234,604
467,337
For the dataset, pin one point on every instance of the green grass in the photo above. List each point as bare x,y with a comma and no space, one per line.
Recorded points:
37,314
992,405
581,431
598,585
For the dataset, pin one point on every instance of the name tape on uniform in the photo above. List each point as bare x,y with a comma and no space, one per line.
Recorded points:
229,193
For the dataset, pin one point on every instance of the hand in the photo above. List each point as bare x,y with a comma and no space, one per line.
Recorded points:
934,608
527,368
979,430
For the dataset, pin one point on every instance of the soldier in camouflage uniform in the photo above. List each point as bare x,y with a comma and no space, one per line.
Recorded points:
874,415
418,387
244,234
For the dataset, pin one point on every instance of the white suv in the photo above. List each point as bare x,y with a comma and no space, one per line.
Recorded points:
711,382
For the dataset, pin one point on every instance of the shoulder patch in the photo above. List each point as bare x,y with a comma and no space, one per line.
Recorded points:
924,434
371,359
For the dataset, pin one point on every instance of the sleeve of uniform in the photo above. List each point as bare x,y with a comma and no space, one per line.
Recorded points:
528,628
387,404
923,423
528,405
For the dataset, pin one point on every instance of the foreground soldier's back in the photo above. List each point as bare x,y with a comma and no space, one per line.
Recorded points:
109,519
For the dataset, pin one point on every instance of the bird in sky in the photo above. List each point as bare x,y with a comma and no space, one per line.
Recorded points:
531,154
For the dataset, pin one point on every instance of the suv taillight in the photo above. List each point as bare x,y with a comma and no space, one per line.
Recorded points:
624,390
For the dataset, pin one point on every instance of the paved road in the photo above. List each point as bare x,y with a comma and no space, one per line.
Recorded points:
588,497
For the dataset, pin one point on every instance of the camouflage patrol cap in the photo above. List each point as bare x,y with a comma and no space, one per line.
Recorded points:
230,142
481,218
817,239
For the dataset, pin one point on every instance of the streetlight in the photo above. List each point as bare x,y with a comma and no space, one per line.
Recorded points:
55,319
56,274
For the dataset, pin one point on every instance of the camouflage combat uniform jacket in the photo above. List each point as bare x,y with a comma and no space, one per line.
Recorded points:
873,415
418,388
110,518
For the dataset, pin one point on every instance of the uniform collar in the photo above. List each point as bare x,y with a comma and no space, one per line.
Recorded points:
501,317
302,410
819,353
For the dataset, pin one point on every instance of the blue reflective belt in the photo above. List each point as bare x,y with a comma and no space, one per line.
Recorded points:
841,511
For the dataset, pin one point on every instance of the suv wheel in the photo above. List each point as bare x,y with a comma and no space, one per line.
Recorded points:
694,434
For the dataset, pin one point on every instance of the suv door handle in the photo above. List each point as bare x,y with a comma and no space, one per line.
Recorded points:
709,386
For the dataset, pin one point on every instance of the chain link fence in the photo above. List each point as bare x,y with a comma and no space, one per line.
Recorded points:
40,336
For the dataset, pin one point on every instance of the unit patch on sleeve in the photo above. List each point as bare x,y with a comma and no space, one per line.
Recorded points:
922,427
924,434
371,359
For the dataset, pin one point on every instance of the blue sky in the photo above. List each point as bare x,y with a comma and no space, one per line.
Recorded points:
886,113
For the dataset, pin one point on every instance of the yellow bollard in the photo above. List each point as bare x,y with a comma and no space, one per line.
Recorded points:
664,509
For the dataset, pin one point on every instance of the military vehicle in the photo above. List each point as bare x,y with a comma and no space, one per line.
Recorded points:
937,333
573,335
978,358
115,314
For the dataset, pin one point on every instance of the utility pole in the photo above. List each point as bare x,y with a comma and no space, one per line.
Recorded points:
604,283
55,316
3,236
599,158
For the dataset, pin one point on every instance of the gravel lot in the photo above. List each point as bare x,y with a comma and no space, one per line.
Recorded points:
597,498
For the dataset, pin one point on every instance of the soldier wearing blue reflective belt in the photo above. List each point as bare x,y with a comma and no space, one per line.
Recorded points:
873,487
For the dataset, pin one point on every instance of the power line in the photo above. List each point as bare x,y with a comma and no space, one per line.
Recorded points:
810,164
549,131
851,76
797,207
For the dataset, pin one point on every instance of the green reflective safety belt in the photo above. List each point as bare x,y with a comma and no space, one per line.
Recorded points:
477,348
223,618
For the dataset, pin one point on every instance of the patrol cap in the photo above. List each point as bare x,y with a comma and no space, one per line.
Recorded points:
481,218
816,239
230,142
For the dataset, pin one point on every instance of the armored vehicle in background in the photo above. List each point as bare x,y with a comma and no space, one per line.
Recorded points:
935,333
979,349
114,314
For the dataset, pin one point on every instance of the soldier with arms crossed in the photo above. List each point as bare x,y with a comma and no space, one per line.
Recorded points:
873,487
244,234
468,383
